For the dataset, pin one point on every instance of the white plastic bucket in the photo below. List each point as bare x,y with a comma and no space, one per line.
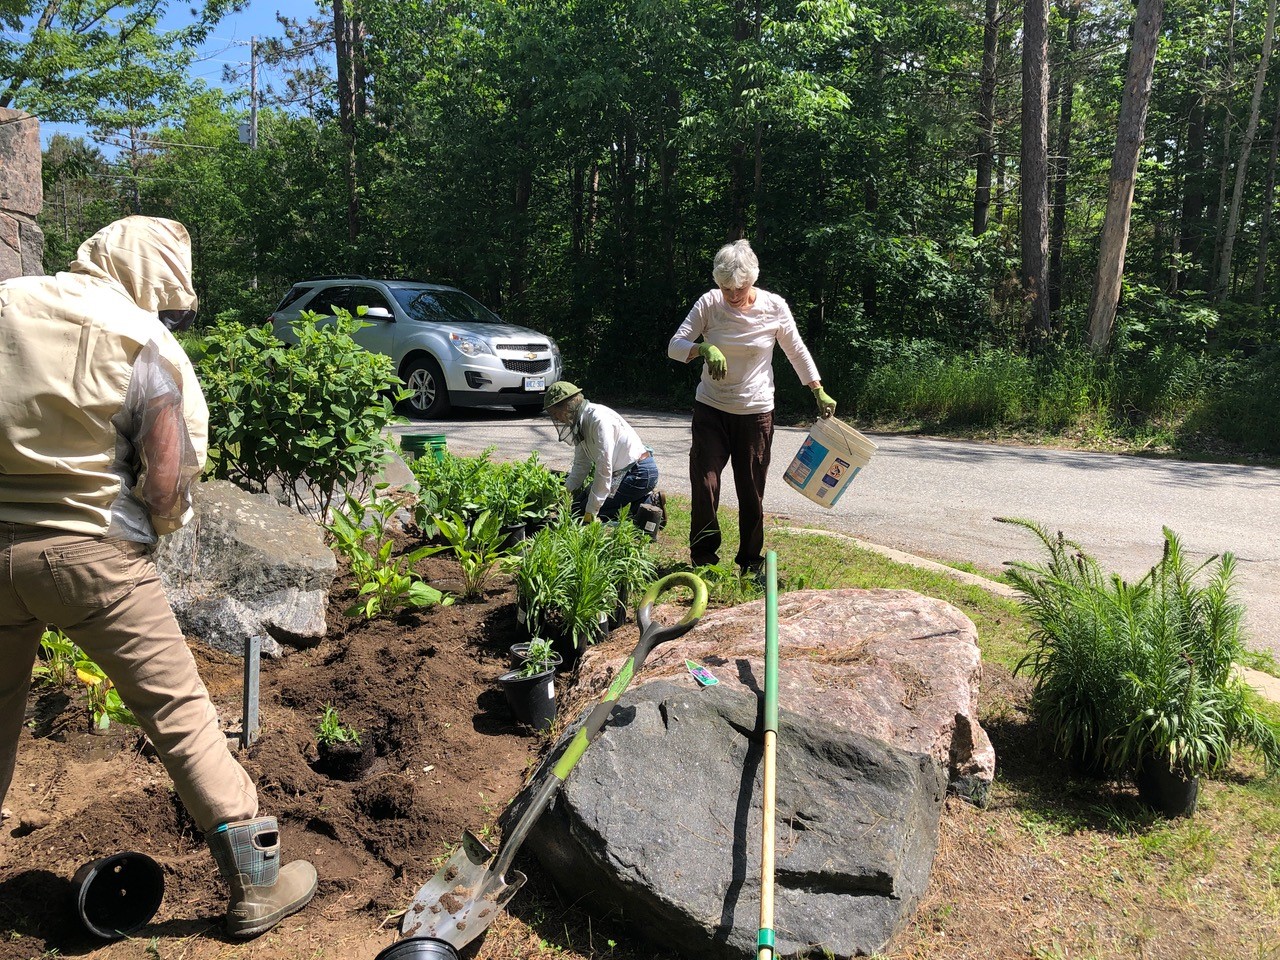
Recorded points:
828,460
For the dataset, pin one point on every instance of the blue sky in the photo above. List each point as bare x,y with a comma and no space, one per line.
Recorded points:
227,47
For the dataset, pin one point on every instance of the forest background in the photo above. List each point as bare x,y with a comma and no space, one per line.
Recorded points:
927,182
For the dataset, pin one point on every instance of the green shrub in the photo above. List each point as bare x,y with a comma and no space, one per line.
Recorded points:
1130,673
308,418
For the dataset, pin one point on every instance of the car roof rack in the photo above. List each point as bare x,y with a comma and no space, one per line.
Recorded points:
338,276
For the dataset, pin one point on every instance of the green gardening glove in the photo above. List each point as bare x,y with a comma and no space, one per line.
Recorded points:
715,360
826,406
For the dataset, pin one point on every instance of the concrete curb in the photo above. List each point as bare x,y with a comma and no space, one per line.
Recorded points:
1266,685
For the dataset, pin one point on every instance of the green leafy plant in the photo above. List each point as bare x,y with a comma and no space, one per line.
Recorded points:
539,658
477,547
571,576
105,704
306,420
1129,674
58,656
332,730
517,492
384,583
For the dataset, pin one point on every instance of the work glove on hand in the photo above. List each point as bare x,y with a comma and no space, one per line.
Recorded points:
715,360
826,406
588,518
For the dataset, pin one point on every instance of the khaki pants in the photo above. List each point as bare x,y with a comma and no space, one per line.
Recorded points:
105,594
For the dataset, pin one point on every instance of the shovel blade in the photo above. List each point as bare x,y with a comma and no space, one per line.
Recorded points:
463,898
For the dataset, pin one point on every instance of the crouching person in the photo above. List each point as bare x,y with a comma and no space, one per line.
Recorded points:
626,473
103,431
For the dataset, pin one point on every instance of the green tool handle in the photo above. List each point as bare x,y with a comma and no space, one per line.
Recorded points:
651,634
771,642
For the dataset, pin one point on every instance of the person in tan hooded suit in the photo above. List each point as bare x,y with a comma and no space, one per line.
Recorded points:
103,430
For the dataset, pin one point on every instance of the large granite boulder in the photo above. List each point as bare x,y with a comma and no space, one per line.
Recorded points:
21,195
891,664
247,566
660,820
660,825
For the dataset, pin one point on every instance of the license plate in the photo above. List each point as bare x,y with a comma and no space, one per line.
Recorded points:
535,383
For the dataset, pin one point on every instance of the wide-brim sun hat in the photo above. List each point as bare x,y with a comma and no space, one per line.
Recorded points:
559,392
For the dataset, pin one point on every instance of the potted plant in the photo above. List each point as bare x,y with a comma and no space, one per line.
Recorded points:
343,753
530,689
1139,679
571,577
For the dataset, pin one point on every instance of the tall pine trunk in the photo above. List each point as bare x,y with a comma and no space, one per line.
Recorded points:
1124,169
1225,167
1062,162
1242,166
1268,199
1035,169
343,47
986,118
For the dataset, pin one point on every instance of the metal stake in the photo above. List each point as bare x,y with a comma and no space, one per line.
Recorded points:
249,713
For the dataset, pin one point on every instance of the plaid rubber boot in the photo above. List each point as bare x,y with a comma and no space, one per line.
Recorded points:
262,892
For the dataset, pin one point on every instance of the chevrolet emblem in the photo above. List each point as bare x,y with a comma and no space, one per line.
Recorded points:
531,356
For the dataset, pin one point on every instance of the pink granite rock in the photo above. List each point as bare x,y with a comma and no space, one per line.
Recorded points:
891,664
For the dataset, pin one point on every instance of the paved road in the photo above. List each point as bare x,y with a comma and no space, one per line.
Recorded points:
938,499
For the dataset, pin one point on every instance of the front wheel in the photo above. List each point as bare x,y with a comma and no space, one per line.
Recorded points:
428,396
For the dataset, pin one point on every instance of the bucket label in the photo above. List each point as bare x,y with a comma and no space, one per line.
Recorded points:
808,458
837,471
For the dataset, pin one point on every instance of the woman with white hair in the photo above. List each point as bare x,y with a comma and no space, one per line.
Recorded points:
738,325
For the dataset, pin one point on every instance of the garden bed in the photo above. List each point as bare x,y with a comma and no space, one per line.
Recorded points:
419,685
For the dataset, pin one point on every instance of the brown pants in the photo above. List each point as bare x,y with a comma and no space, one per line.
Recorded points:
105,594
745,440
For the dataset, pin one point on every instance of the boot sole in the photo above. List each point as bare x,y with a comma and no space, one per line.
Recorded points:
266,923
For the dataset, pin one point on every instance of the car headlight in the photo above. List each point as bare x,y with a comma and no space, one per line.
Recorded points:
470,345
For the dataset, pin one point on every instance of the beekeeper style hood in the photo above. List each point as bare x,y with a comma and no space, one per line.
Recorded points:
151,259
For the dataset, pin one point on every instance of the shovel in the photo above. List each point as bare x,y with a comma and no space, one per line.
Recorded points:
472,888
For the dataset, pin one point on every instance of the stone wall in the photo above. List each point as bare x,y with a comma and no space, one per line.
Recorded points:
21,195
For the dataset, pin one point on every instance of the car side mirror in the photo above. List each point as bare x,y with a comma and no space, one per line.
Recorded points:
378,313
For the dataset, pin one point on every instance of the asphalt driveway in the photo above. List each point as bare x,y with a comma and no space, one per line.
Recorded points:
938,498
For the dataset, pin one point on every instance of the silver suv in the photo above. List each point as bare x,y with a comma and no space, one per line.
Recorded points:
449,349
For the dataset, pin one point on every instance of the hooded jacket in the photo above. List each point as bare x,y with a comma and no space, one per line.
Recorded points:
99,401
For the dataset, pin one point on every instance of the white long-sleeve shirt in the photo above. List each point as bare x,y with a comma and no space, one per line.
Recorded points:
611,445
746,338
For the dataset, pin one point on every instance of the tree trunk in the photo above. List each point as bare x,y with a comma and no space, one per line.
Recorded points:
1242,166
1268,200
1062,162
346,114
1035,169
1124,170
1224,169
738,177
986,117
1191,233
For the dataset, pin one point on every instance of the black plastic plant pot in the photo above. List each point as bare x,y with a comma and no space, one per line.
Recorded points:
118,895
419,948
532,699
1167,791
512,534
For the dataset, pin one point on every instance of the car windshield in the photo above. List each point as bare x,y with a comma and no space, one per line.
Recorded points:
443,306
